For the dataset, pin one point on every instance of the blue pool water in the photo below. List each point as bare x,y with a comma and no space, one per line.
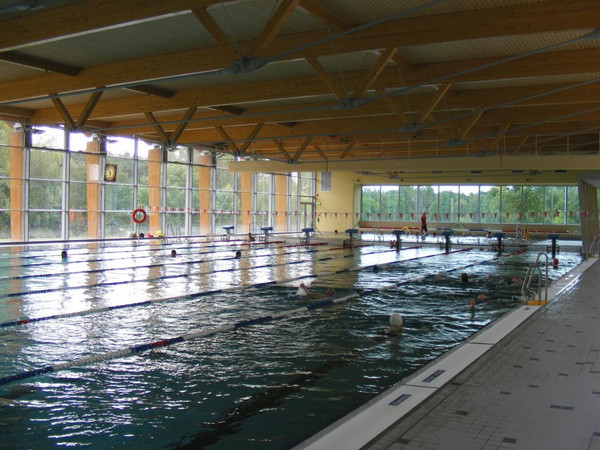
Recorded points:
263,386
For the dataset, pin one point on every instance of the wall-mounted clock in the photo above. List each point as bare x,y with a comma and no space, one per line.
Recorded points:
110,172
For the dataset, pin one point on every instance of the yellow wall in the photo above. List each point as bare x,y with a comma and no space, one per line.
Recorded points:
340,200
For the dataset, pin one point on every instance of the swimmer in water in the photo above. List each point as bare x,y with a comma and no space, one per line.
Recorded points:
305,292
238,254
464,278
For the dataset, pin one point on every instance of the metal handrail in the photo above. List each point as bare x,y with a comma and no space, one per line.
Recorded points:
317,233
377,232
596,239
526,291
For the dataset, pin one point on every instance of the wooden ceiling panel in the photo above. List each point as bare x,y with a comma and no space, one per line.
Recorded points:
397,107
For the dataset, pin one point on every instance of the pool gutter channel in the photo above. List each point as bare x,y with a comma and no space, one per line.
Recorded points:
373,419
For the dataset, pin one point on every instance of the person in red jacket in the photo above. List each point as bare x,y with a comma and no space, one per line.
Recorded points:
423,225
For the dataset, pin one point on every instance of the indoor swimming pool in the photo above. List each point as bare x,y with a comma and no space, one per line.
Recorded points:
258,384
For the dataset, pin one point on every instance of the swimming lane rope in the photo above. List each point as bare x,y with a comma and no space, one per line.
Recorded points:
146,266
144,280
24,321
137,349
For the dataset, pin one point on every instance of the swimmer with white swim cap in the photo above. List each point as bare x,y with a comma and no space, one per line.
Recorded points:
396,322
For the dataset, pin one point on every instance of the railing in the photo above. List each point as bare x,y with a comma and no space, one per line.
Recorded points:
594,241
174,233
526,290
317,233
378,233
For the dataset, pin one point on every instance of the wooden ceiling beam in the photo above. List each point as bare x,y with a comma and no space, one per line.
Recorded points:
437,98
579,61
374,72
554,15
89,107
159,129
494,142
152,90
282,149
325,77
302,148
184,123
64,113
16,113
468,126
320,152
347,150
215,31
39,63
438,126
324,15
273,26
82,18
379,129
382,116
251,137
228,139
230,109
395,106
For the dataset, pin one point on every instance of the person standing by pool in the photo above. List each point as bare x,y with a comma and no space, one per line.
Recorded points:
423,225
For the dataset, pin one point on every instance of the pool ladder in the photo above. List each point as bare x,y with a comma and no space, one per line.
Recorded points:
378,233
174,233
317,233
528,293
596,241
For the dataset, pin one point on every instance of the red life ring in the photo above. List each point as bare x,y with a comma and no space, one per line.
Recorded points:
134,215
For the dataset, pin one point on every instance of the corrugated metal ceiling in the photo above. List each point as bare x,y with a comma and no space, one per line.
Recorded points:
163,35
494,47
360,11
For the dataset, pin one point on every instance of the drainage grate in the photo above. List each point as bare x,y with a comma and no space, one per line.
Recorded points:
433,376
399,400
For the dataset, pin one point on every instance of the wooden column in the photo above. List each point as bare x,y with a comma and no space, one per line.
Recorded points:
204,185
15,141
246,199
154,166
589,222
93,188
281,185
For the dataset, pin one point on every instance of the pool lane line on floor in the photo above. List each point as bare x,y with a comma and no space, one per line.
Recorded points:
369,422
167,257
25,321
134,350
197,274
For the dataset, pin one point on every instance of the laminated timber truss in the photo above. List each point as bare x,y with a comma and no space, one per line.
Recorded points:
311,81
